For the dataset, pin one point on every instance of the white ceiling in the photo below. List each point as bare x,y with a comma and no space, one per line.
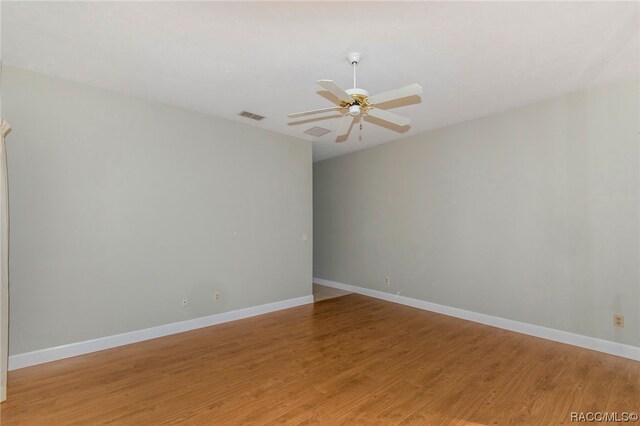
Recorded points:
473,59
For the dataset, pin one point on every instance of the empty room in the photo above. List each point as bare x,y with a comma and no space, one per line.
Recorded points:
332,213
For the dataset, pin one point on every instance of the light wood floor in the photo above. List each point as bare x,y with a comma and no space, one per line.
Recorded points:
349,360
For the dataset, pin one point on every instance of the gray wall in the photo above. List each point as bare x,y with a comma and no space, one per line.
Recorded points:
530,215
120,207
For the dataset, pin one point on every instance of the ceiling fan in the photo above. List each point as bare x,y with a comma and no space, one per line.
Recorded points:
355,103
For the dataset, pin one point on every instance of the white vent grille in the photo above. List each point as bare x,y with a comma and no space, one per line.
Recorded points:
317,131
250,115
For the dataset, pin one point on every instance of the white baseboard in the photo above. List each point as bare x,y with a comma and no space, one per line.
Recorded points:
80,348
606,346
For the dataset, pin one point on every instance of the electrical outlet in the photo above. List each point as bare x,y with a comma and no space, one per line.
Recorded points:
217,297
185,302
387,281
618,320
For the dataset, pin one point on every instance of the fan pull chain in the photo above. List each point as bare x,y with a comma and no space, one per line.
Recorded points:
360,138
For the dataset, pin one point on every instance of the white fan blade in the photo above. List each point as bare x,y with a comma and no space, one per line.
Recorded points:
344,125
389,116
336,90
403,92
313,111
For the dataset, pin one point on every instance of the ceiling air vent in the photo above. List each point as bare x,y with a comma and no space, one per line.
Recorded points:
317,131
250,115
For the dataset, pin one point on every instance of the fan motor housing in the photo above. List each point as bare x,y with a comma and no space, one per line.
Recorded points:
359,99
357,93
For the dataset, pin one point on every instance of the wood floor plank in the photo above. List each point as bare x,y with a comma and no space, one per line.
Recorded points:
350,360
